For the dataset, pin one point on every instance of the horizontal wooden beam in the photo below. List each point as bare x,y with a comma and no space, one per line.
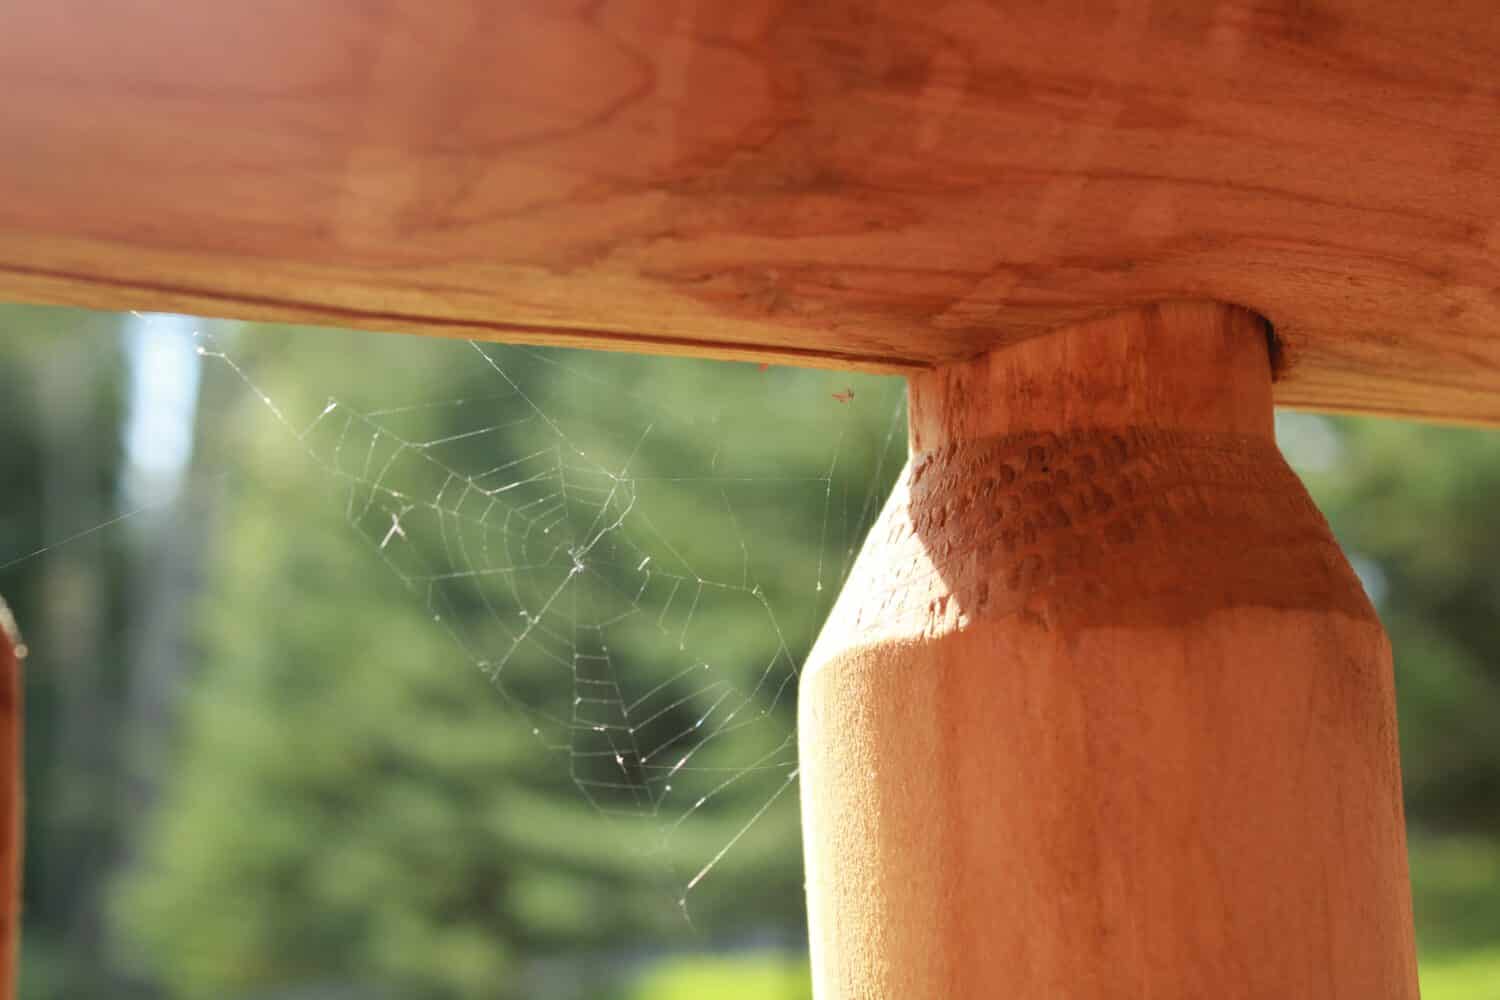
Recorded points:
853,183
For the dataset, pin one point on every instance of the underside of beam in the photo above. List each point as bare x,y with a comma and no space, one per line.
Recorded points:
846,183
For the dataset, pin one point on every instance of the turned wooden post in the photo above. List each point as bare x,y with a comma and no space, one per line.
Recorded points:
10,802
1103,711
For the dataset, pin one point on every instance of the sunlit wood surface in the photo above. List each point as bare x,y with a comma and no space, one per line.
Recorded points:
859,183
11,772
1102,711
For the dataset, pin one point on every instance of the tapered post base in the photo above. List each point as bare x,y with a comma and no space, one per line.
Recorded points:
1103,711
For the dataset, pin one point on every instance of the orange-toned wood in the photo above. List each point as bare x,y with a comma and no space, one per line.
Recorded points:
1103,711
858,183
11,773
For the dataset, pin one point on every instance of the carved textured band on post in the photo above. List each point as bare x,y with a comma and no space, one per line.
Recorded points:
1103,710
1036,524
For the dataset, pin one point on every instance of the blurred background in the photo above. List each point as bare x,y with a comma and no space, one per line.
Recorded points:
369,666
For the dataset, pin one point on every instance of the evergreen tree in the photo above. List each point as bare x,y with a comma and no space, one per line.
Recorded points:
420,778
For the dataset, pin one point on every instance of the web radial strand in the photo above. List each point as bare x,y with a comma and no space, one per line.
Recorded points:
636,552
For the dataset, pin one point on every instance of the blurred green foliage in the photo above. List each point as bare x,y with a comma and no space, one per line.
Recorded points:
312,787
351,787
1420,507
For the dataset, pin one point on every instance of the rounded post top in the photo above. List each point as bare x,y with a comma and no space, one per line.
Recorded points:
1191,366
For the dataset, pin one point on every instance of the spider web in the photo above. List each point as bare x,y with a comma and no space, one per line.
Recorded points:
637,552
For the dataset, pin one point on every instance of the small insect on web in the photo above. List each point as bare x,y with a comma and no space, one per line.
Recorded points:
637,552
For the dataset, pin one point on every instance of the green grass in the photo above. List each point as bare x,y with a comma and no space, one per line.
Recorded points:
1471,976
766,976
1455,889
1456,893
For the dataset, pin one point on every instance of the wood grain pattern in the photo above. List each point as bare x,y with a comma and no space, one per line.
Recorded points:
1103,711
11,802
857,183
